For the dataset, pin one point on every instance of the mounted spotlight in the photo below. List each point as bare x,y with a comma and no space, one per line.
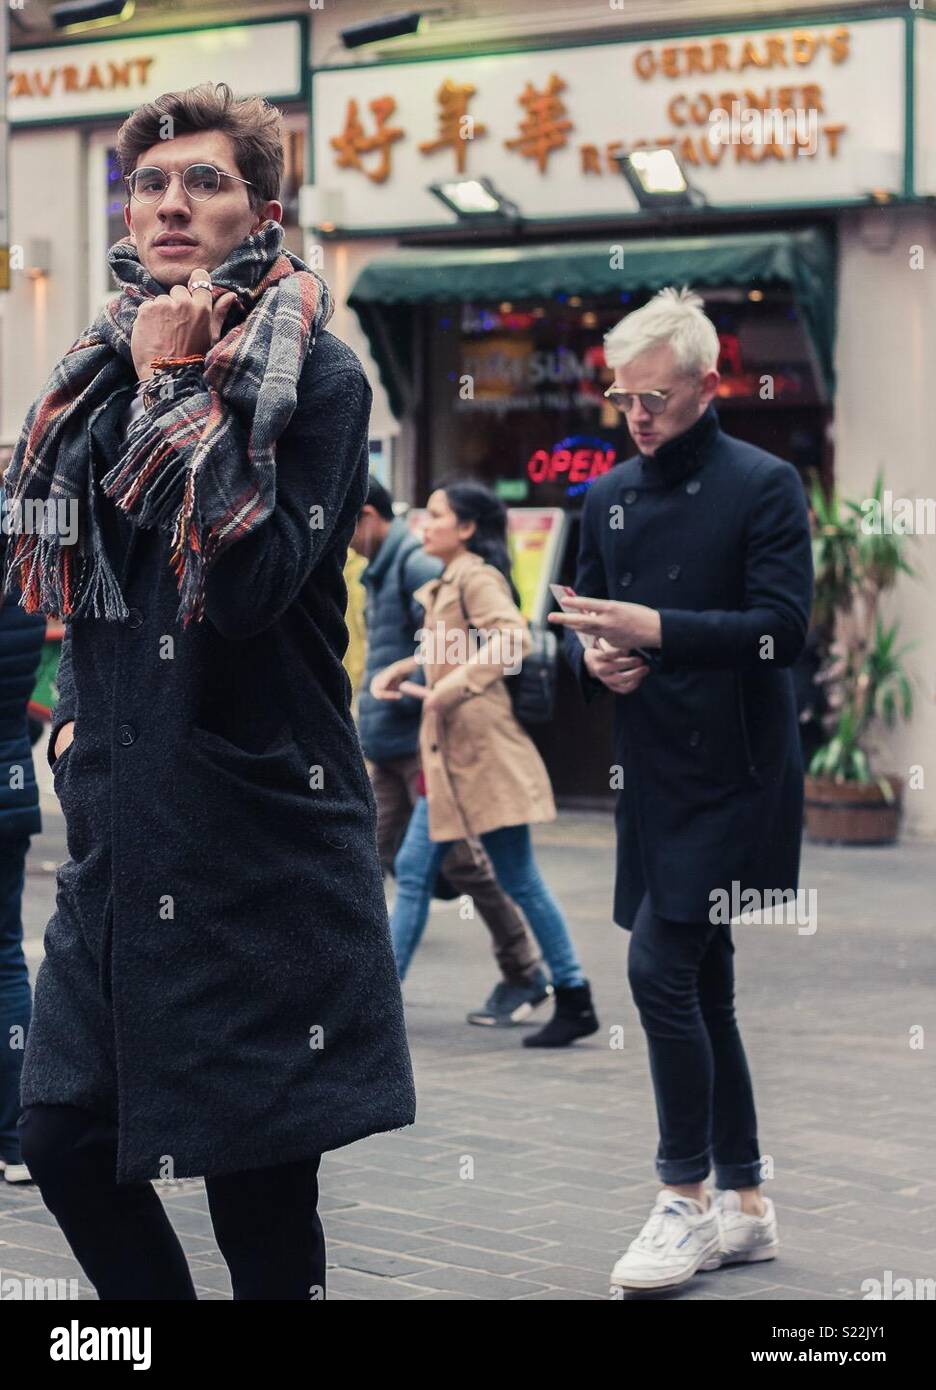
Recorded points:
76,15
658,179
375,30
475,200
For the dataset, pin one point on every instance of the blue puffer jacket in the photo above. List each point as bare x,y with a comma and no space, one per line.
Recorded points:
21,637
390,728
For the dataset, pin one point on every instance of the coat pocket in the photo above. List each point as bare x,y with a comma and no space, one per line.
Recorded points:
211,739
60,762
464,736
241,789
749,763
79,799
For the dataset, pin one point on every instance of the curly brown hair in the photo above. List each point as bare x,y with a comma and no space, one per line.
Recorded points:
254,126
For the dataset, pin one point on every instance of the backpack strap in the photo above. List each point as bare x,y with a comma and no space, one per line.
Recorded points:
405,596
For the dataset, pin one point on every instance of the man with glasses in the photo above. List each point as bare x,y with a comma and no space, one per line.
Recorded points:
694,591
218,996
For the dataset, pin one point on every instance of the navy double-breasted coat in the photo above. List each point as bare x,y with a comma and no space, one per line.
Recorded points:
218,974
714,533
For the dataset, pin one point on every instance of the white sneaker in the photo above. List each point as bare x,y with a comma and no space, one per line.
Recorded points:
14,1172
676,1241
743,1239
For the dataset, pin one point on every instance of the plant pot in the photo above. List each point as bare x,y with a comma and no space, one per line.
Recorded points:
852,813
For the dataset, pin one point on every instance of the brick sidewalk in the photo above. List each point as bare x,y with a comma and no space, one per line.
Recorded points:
527,1173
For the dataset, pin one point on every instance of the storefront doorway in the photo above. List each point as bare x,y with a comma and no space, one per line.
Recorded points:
507,386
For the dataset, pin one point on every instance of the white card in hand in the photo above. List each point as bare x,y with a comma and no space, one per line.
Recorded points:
560,593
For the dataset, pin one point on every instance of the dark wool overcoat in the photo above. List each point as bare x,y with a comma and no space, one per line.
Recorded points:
715,534
218,976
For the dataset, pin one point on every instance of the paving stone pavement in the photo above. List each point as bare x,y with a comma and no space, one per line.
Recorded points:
528,1172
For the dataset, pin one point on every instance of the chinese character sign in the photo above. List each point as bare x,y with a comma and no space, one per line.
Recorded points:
354,142
456,126
778,116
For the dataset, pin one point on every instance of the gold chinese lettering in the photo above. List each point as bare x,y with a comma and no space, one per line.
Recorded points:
456,127
353,142
543,129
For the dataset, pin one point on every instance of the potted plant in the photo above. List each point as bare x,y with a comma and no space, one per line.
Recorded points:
866,686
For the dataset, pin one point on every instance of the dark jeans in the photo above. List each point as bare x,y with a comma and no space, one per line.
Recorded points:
15,998
265,1220
682,979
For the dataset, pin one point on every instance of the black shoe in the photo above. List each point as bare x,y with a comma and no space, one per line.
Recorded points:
510,1004
574,1017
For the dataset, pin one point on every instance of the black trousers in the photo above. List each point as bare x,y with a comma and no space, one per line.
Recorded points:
682,979
265,1220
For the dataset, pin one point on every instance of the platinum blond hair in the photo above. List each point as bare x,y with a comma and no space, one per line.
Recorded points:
674,317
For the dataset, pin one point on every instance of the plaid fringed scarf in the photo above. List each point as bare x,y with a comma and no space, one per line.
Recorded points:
200,464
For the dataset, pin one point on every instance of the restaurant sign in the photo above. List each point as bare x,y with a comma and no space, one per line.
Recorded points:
779,115
113,76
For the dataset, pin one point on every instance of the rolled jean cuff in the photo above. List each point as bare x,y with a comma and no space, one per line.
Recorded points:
684,1170
733,1175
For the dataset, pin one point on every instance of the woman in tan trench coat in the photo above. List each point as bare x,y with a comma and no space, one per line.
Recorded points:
484,777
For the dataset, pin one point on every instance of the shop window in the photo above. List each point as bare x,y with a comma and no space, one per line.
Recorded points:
516,399
116,200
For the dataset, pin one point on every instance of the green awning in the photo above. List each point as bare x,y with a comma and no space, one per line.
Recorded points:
389,290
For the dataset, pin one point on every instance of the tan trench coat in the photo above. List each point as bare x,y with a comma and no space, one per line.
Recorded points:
482,769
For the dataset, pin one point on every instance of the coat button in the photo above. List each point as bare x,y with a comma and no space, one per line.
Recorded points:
695,738
126,734
673,571
626,579
134,618
692,487
630,496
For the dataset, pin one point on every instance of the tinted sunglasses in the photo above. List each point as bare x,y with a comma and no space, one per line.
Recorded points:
652,401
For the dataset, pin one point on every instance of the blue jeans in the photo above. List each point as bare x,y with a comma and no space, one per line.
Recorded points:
511,852
15,998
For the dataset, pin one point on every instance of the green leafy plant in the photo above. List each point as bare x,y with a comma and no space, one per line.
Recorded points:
863,667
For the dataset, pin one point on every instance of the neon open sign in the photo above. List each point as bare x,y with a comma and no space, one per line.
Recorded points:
577,460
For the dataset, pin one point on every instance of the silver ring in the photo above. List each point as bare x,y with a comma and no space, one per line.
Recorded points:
202,285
